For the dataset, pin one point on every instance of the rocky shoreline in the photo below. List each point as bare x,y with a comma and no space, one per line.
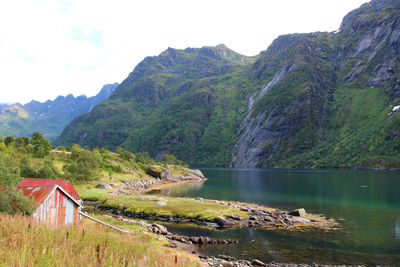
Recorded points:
176,241
162,230
258,217
160,179
227,261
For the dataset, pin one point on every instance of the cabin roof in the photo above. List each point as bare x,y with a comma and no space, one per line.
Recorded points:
40,193
66,185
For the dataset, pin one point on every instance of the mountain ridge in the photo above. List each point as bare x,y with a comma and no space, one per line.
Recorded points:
300,103
48,117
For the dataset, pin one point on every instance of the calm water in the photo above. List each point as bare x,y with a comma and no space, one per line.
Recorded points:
367,204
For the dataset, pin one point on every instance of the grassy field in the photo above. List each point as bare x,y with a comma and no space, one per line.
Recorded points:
24,242
185,207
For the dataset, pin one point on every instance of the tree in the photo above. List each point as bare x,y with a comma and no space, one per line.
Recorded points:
13,201
27,168
22,141
9,140
41,146
171,159
84,166
48,171
9,169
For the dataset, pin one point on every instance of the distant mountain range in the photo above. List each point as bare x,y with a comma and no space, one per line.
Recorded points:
49,117
315,100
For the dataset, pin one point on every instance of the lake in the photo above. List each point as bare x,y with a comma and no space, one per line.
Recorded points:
366,203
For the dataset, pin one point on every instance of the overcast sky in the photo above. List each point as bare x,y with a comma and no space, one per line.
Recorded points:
51,48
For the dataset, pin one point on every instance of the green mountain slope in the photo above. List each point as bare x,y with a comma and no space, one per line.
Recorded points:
49,117
309,100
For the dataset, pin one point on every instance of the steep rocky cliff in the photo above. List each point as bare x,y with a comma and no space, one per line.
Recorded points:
308,103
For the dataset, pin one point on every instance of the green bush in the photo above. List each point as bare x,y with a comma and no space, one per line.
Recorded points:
41,147
84,166
9,169
14,202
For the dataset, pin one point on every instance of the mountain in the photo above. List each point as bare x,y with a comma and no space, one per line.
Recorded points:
4,105
324,99
49,117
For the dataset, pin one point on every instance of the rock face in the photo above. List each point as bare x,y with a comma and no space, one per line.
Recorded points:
309,100
363,53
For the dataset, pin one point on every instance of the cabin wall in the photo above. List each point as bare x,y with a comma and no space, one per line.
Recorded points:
53,210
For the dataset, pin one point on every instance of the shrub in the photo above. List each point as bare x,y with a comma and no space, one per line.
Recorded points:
14,202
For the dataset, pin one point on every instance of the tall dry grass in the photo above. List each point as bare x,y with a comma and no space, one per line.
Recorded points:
24,242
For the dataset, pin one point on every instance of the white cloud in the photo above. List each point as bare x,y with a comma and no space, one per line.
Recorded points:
48,48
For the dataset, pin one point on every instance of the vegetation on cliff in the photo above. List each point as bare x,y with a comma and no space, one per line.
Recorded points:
309,100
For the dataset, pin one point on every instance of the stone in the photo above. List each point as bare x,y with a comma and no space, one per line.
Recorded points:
154,170
222,222
198,173
298,212
161,229
172,245
165,174
161,204
159,172
227,264
258,263
145,198
103,185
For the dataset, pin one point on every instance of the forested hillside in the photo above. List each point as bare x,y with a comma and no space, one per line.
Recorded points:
324,99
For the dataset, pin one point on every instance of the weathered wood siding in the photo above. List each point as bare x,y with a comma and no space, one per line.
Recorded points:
53,209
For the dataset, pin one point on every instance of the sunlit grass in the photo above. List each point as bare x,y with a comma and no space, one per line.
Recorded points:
185,207
24,242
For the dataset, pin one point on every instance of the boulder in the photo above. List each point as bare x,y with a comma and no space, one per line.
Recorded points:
222,222
161,229
165,174
161,204
199,174
298,212
103,185
258,263
154,170
158,172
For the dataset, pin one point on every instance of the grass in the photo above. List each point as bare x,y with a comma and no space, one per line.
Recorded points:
185,207
24,242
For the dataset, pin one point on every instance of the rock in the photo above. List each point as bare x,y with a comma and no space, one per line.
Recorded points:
227,264
161,203
103,185
154,170
172,245
165,174
198,173
204,240
258,263
145,198
298,212
222,222
159,172
161,229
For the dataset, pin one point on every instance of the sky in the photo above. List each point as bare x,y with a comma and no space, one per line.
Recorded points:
51,48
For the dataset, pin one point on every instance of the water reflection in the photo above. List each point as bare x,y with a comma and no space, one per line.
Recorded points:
181,189
368,201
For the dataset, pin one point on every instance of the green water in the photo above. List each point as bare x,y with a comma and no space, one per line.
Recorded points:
366,203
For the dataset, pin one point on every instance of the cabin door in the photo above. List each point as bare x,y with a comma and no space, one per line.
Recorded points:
69,212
